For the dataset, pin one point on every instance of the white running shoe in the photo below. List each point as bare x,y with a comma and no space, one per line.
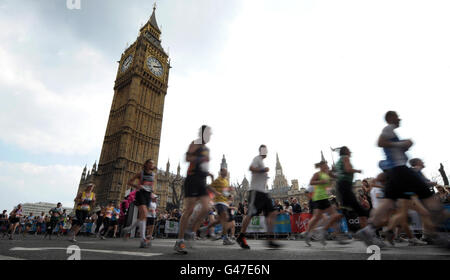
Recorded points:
227,241
416,242
368,237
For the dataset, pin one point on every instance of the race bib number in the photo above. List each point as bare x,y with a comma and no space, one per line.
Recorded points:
85,207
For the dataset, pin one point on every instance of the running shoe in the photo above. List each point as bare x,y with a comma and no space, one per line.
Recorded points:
401,239
227,241
273,245
416,242
144,243
103,238
308,239
368,237
72,239
180,248
242,241
342,239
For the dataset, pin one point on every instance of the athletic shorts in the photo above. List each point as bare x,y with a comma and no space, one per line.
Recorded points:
151,221
401,181
14,220
322,204
259,202
113,223
195,186
80,217
347,198
220,208
143,197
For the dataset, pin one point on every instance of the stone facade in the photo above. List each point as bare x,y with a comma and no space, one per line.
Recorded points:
134,126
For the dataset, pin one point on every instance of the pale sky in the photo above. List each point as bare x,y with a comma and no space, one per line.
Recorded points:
298,76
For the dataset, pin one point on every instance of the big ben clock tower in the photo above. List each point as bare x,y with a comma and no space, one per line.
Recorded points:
134,125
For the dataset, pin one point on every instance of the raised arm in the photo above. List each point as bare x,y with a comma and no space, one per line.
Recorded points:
348,166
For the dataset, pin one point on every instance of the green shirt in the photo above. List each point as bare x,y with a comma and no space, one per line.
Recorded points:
342,175
320,190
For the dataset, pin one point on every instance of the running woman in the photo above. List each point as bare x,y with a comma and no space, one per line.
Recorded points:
111,220
28,223
62,220
220,188
14,220
84,200
259,200
147,180
195,186
55,214
321,181
401,180
40,224
109,212
344,187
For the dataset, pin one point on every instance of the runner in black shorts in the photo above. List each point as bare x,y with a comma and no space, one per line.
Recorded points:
344,186
14,220
259,200
84,200
195,186
147,180
400,180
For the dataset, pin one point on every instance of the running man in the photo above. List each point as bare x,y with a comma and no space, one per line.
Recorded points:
344,186
55,214
84,200
195,186
147,180
151,218
259,200
401,181
321,181
220,189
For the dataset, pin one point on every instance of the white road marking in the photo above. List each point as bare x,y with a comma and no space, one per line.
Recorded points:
7,258
141,254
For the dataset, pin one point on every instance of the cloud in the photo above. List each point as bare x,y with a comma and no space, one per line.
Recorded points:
26,182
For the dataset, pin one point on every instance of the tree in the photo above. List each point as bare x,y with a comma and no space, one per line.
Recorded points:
176,182
240,193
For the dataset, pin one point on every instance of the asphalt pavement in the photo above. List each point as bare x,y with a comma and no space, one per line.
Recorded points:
90,248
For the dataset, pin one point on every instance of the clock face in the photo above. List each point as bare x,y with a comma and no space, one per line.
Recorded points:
155,66
126,63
